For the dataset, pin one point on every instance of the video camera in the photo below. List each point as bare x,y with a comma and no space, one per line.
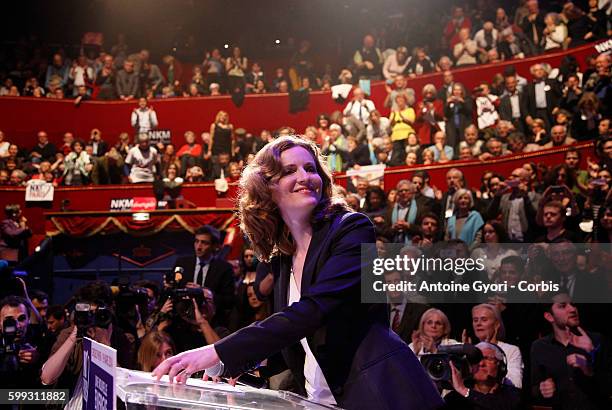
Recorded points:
181,296
437,365
9,349
85,317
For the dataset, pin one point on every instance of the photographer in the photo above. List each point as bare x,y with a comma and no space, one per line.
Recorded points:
14,233
93,317
20,351
488,390
188,320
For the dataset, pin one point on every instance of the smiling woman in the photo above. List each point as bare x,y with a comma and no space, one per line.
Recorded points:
334,345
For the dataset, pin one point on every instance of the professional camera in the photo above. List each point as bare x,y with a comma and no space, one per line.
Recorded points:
437,365
9,349
85,317
181,297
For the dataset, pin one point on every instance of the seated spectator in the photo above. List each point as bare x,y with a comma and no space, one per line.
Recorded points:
442,152
358,153
127,82
488,391
585,122
494,148
486,38
18,177
555,32
434,330
249,309
459,21
412,145
514,45
428,231
465,50
396,64
420,63
220,168
488,327
571,365
77,166
558,137
378,126
155,347
471,141
196,174
190,152
465,223
57,74
493,248
375,205
44,150
552,217
517,143
143,161
368,60
4,147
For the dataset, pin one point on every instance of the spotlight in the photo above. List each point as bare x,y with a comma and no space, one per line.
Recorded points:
226,45
277,41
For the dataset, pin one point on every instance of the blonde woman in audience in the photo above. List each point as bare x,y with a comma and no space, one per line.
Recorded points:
155,348
434,330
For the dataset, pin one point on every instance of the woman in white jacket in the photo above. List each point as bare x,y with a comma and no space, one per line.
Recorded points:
434,329
555,33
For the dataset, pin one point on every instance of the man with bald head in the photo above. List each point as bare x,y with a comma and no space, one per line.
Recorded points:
518,204
359,107
558,137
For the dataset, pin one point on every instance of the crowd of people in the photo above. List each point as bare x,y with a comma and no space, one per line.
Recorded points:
471,35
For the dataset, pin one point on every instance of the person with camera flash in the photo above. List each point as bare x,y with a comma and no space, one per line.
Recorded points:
487,389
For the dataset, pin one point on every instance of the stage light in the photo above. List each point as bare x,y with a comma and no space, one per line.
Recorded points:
37,249
277,41
141,216
226,45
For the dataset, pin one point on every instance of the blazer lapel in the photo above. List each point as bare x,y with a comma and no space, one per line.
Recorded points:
319,231
281,293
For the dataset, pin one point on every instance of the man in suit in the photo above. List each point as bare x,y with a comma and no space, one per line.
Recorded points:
454,181
409,208
205,270
512,105
543,97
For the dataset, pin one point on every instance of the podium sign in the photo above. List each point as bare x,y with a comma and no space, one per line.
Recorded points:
99,366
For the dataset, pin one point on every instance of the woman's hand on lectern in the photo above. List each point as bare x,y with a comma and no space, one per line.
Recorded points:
180,367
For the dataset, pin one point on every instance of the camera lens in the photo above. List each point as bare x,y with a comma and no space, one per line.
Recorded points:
437,368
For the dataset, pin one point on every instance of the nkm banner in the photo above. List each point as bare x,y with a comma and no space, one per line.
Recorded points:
39,191
99,364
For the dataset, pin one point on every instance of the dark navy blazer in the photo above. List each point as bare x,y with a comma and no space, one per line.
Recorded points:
365,364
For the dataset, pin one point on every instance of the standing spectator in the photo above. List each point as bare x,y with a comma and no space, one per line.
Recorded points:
486,38
143,160
99,146
570,368
144,118
402,122
465,50
585,122
4,147
127,82
396,64
458,113
458,22
214,66
512,105
81,74
105,80
253,77
359,107
533,24
486,108
429,113
77,166
57,74
174,73
368,60
14,234
542,97
465,223
222,135
301,65
151,79
236,67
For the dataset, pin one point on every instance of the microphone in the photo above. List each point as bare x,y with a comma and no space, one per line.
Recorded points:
216,370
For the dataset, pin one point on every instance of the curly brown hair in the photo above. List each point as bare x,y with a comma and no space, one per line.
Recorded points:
259,216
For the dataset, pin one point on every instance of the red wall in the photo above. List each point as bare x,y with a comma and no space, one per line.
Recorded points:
22,117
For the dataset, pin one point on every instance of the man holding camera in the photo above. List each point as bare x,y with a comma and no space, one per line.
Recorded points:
20,345
92,317
14,233
487,389
206,270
